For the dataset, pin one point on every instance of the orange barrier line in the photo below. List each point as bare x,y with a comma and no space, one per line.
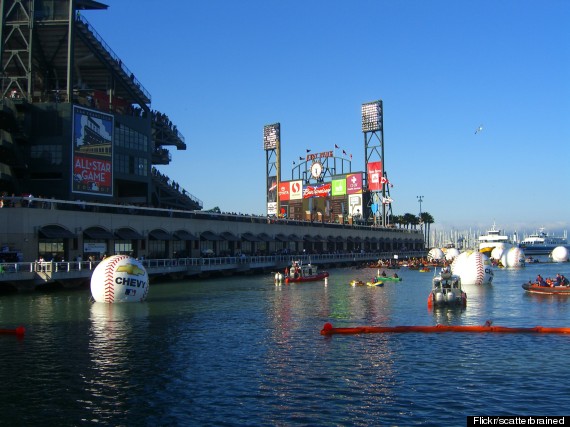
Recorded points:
328,329
20,330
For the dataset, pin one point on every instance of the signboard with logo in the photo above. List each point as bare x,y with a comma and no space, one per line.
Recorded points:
92,153
354,183
375,176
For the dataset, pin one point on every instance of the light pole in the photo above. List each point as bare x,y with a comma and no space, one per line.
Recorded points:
420,199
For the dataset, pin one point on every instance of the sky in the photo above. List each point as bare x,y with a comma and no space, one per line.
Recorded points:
222,69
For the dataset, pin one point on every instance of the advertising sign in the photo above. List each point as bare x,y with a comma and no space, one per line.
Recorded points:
354,183
296,190
92,152
322,190
271,188
284,190
272,208
375,176
338,186
355,205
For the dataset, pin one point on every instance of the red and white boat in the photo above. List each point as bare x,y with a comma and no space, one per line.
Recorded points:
303,273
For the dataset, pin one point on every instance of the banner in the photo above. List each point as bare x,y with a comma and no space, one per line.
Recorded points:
354,183
92,152
323,190
375,176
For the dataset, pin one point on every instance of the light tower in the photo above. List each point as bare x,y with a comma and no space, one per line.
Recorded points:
272,147
374,177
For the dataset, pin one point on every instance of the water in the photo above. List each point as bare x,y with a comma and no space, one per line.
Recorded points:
241,351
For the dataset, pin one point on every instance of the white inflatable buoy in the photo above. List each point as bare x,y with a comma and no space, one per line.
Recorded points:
435,254
451,254
559,254
278,278
474,268
514,258
498,252
119,278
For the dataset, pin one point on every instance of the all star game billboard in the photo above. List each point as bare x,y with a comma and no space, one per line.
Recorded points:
92,152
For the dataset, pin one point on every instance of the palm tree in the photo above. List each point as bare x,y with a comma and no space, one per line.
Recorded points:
426,219
410,219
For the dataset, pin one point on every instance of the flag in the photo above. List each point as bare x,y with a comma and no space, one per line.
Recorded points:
351,157
336,146
300,158
293,161
308,151
344,152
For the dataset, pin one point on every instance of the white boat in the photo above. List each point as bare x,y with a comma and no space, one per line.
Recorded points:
446,290
493,239
542,243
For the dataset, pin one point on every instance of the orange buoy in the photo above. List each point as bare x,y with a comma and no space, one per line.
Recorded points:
328,329
20,331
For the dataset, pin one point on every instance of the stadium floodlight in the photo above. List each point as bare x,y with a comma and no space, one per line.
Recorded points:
271,136
372,116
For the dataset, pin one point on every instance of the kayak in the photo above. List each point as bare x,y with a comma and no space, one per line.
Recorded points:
389,279
376,283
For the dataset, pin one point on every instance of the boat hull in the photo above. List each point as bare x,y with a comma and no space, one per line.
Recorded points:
546,290
388,279
314,278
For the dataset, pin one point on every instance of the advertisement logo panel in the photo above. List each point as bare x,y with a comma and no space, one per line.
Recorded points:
92,152
284,191
323,190
375,176
354,183
296,190
338,186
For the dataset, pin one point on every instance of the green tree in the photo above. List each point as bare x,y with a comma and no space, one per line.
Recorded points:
427,220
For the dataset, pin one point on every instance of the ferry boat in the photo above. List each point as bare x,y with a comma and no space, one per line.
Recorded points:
493,239
299,272
446,290
542,243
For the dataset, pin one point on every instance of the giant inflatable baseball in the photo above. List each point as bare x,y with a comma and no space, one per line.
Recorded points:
119,278
474,268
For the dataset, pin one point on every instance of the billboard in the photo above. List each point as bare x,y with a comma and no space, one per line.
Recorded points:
284,191
339,186
354,183
92,152
296,190
375,176
323,190
271,189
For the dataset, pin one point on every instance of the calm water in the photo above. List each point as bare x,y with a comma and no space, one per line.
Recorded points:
241,351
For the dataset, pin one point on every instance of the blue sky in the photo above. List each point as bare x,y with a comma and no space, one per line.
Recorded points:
222,69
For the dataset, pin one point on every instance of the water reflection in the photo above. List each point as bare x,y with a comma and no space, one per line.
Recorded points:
115,330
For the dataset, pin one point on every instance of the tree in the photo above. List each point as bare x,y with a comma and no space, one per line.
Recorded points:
410,219
426,219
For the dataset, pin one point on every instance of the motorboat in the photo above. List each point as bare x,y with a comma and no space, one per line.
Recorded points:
299,272
493,239
557,286
535,288
446,290
542,243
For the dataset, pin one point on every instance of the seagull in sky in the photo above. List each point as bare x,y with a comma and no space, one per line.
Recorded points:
479,129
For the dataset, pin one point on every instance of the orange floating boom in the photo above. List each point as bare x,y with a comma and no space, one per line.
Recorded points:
329,330
20,331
